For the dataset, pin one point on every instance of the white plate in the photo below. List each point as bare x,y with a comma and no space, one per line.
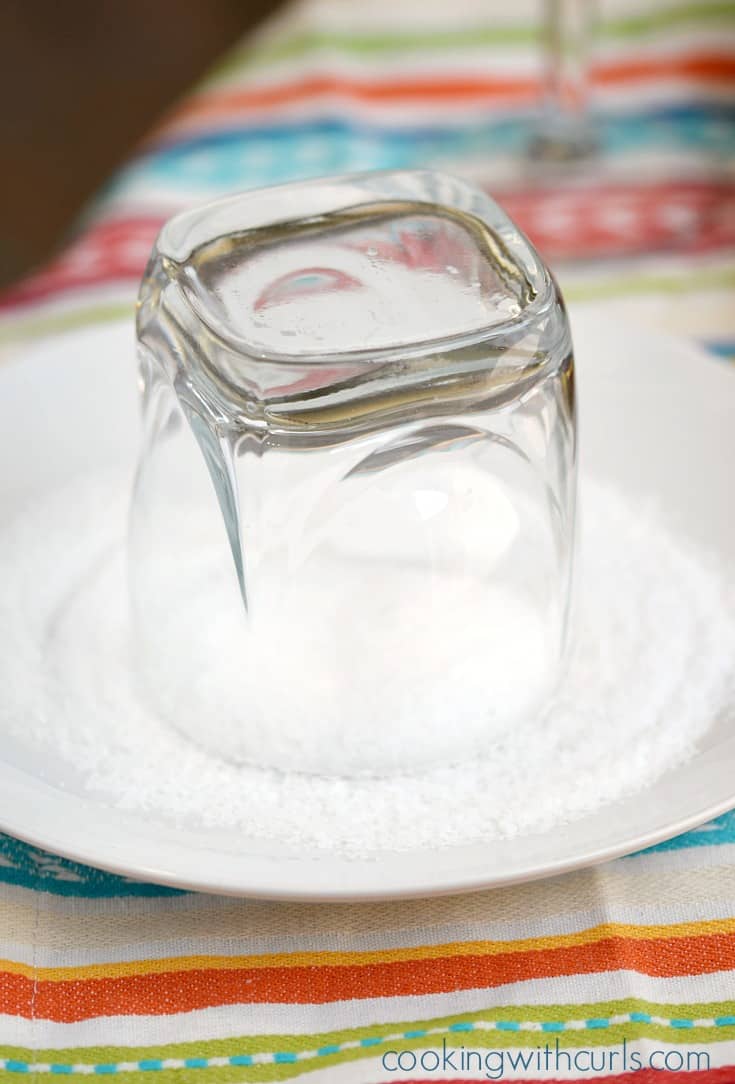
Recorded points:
657,416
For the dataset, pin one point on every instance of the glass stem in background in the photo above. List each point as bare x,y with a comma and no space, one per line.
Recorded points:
566,132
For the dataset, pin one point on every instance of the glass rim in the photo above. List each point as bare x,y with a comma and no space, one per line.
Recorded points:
182,234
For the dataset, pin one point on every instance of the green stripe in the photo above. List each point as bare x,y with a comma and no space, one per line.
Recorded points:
299,45
458,1029
705,279
34,327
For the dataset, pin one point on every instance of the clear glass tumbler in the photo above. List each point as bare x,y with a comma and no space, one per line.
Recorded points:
352,528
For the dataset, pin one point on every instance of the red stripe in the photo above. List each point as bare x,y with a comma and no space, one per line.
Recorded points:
626,219
613,220
112,251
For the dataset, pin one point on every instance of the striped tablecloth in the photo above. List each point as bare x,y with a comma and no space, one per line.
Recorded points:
625,972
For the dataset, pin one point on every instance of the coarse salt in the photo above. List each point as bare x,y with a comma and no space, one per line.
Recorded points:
651,669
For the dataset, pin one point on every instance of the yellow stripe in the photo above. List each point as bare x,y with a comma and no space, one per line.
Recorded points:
344,959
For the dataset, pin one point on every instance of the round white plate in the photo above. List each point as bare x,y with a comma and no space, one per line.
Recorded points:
657,416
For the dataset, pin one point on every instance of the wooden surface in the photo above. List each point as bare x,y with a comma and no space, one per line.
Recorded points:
80,83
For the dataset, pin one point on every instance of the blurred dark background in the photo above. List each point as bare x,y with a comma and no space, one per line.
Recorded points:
81,82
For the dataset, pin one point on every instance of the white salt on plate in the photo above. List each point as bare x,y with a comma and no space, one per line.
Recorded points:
652,668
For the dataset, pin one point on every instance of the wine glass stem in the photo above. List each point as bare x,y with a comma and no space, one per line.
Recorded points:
568,27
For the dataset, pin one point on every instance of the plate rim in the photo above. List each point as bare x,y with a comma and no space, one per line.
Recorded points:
628,847
277,877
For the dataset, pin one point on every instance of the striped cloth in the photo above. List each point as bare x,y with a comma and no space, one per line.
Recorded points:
625,972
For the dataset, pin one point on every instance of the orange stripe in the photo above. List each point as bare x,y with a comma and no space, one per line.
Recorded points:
605,931
392,92
171,992
703,67
707,67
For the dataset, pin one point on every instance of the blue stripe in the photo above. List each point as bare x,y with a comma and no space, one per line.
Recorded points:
32,868
716,832
289,1057
723,348
248,156
692,115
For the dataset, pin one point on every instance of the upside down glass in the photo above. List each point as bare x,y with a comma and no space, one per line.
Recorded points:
352,528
